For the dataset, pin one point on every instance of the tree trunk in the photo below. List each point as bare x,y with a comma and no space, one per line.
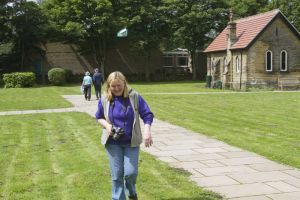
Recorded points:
103,66
22,56
147,70
194,68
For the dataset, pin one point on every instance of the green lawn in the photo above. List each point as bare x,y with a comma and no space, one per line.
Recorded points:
50,97
173,87
35,98
59,156
267,123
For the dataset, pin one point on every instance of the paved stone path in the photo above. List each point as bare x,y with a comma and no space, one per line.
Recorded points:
230,171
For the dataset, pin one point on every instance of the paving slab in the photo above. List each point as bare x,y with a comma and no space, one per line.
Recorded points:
252,198
260,177
283,187
245,190
285,196
215,181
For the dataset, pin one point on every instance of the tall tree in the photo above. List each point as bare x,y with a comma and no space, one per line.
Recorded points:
196,22
5,25
88,23
29,29
291,9
23,27
244,8
147,25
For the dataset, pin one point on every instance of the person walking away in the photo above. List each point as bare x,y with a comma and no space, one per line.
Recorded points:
87,84
118,112
97,81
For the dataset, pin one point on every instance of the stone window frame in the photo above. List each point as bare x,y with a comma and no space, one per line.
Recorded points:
266,60
225,63
286,61
237,64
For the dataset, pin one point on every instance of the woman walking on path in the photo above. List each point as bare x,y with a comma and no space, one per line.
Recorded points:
87,84
118,112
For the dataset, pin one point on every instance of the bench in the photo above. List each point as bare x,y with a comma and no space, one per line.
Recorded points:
285,82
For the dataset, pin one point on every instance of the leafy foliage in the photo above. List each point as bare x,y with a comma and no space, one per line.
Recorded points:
195,23
25,27
291,9
244,8
152,25
19,79
87,23
5,27
147,24
57,76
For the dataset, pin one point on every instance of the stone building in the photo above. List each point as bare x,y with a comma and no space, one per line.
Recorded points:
257,51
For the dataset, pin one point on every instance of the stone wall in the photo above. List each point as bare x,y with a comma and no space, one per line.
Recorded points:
276,37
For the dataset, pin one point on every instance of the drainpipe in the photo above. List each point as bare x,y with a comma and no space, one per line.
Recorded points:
241,70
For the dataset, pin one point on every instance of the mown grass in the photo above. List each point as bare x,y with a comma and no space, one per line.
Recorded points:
266,123
173,87
45,97
35,98
59,156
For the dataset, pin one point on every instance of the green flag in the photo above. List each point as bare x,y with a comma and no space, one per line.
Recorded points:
122,33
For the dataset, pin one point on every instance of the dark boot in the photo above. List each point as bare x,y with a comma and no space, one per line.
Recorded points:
133,197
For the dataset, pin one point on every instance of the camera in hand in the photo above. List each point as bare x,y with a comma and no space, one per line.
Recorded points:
117,132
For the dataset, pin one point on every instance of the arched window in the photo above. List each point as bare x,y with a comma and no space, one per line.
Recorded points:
237,63
269,58
283,60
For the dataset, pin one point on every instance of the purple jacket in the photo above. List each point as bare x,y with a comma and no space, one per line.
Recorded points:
121,115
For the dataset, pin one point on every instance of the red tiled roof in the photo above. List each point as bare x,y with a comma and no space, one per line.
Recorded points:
246,30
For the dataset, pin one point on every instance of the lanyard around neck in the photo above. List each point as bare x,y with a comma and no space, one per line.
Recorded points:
123,109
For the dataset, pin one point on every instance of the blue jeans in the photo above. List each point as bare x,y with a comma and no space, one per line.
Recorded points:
123,161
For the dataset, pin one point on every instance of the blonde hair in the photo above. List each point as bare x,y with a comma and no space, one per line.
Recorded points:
112,77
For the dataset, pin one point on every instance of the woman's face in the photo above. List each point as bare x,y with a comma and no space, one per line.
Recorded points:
117,87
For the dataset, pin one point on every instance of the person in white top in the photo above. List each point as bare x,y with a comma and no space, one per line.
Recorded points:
87,84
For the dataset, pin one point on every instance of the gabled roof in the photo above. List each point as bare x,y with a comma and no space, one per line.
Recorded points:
247,30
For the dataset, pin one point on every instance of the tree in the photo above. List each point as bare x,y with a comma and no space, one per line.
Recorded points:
5,26
291,10
245,8
23,27
29,29
147,25
195,23
88,23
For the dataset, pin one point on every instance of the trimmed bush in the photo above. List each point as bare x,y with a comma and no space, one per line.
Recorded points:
57,76
19,79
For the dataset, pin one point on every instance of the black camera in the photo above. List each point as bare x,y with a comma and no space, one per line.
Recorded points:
117,132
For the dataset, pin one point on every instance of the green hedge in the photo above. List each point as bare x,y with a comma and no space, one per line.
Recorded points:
19,79
57,76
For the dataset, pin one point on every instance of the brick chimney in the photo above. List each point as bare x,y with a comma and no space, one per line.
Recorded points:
232,38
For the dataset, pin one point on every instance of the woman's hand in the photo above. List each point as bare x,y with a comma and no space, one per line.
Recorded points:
105,125
147,136
108,127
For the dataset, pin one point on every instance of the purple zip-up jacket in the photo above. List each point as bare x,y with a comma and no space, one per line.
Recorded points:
121,115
